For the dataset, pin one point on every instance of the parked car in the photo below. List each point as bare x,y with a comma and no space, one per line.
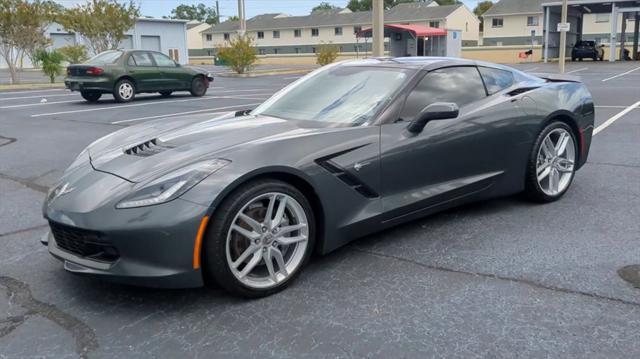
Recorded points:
125,73
243,200
587,49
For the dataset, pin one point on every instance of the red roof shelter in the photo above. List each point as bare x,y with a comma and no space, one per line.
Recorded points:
416,30
417,40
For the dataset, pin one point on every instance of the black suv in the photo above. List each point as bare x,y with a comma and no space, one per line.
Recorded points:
587,49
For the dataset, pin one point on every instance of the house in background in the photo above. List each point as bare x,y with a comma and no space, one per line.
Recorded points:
278,35
195,41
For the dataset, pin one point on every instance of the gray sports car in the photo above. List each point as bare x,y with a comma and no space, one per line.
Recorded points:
244,199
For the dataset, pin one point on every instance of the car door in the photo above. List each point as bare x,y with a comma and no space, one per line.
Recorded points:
141,67
450,158
173,76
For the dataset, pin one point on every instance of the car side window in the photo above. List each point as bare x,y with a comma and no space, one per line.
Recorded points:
460,85
163,60
496,80
142,59
131,61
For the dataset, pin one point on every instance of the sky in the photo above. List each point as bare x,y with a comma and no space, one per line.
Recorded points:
159,8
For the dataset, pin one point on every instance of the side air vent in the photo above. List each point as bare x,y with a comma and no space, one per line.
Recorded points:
148,148
521,90
346,177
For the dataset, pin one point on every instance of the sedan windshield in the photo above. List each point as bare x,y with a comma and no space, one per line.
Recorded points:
107,57
340,94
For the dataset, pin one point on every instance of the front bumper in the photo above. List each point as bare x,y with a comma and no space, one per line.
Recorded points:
154,245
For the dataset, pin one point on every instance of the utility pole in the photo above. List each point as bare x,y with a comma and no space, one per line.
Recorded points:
217,12
243,23
563,36
378,28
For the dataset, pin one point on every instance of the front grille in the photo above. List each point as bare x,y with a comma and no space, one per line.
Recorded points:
148,148
83,242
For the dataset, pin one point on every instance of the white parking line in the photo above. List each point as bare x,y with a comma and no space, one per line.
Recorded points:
620,75
578,70
184,113
38,96
29,91
39,104
615,118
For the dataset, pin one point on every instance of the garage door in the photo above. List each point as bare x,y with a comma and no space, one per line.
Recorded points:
150,42
126,43
60,40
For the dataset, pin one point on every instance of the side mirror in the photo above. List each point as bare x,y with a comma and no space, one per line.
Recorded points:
435,111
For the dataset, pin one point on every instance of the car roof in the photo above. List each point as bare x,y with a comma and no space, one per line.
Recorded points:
416,62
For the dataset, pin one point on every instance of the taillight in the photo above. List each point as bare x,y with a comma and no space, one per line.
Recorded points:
94,71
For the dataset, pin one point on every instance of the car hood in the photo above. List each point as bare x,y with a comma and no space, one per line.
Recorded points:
146,151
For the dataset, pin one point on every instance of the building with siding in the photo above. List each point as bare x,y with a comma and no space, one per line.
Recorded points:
280,34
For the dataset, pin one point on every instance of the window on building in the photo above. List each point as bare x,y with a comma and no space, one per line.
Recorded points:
496,80
276,34
337,31
209,37
435,24
226,36
297,49
261,51
313,49
260,34
357,29
315,32
174,54
276,51
297,33
603,17
460,85
466,27
532,21
497,22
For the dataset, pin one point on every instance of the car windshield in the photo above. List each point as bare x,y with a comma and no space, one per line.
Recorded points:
107,57
340,94
586,43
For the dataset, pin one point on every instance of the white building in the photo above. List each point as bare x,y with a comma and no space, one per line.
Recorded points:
279,33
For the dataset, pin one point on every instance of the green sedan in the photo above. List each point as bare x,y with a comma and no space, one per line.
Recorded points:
125,73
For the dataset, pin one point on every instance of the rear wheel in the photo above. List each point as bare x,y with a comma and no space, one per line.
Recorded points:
198,87
124,91
552,163
166,93
91,96
262,237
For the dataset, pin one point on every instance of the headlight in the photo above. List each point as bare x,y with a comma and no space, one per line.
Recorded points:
172,185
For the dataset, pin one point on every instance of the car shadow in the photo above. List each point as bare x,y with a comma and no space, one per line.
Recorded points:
108,99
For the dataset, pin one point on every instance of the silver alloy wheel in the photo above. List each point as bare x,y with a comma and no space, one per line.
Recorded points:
272,227
125,90
556,162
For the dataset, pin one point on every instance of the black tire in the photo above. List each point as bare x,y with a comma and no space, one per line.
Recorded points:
216,267
166,93
533,191
573,59
91,96
198,87
595,58
580,59
124,96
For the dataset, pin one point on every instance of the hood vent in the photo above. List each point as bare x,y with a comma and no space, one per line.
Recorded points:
148,148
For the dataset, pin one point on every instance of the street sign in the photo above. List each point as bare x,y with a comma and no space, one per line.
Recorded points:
564,26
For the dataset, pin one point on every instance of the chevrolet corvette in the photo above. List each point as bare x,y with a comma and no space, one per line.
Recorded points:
243,200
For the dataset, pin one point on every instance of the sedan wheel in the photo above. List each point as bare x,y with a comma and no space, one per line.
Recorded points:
198,87
266,237
552,168
124,91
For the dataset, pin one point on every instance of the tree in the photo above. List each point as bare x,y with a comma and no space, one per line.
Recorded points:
480,9
50,61
74,54
325,6
102,22
22,27
233,18
327,53
198,12
239,53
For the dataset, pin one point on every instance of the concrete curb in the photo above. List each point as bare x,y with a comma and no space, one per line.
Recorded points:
29,86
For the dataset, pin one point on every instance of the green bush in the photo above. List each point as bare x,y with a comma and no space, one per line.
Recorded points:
75,54
50,61
327,53
239,54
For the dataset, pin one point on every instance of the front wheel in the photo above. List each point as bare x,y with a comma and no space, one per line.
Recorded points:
552,163
124,91
91,96
260,239
198,87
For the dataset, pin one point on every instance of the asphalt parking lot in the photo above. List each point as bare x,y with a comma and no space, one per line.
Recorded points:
501,278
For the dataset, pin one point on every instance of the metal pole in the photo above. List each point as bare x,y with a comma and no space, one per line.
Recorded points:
217,12
546,33
636,30
378,28
563,36
614,33
243,24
